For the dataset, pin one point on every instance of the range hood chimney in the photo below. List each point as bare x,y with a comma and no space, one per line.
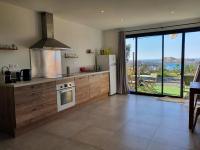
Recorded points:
48,42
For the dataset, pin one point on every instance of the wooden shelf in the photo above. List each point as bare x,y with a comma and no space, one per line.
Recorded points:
71,57
9,49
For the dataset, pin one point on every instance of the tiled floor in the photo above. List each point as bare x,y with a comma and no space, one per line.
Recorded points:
116,123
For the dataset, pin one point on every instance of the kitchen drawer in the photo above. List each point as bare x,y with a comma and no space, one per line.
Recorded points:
28,88
49,85
27,97
105,76
35,87
34,105
34,112
70,79
94,78
82,81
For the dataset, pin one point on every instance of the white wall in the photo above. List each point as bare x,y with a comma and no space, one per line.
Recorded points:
111,36
110,40
80,38
18,26
22,27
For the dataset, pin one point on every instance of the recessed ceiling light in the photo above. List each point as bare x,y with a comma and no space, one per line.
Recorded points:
172,12
101,11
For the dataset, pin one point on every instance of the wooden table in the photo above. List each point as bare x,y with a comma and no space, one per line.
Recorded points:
194,89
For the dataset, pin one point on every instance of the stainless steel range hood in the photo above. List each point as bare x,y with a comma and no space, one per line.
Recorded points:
48,42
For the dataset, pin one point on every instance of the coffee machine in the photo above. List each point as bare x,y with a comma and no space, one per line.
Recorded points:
12,74
25,74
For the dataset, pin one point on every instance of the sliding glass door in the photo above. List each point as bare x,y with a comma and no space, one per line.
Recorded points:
192,58
172,64
149,64
162,63
130,63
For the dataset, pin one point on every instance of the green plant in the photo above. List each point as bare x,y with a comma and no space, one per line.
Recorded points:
127,52
190,69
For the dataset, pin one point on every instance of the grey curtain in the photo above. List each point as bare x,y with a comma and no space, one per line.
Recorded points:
122,87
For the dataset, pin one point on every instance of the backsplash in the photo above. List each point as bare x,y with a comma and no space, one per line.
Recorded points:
74,64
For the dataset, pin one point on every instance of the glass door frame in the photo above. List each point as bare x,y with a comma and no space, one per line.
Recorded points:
162,33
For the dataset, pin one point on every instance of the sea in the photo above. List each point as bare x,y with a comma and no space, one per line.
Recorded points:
172,66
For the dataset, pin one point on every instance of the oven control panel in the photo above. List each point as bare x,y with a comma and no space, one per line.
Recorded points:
65,85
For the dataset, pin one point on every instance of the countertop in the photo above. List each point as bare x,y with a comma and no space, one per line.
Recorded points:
44,80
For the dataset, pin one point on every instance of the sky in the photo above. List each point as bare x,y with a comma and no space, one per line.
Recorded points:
150,47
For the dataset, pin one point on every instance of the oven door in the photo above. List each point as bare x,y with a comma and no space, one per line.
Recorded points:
65,98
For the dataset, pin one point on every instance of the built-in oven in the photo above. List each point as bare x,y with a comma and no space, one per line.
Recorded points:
65,95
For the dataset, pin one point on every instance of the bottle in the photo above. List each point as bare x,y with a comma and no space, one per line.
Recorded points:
68,70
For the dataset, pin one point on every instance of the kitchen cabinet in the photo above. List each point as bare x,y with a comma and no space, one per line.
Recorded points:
91,87
104,86
27,104
82,89
95,85
37,103
99,85
61,81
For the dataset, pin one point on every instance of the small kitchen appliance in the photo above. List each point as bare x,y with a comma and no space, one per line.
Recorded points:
8,78
26,74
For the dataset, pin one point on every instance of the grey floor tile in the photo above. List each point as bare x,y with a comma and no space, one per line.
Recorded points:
34,141
163,146
64,128
182,139
93,136
107,123
120,122
74,145
134,129
108,140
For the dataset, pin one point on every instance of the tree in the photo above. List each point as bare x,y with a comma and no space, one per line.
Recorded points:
128,49
177,70
190,69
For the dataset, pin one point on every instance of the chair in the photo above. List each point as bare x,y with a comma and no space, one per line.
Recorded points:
187,79
197,79
197,97
196,117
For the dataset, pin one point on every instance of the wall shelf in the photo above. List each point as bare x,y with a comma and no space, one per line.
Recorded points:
8,47
71,55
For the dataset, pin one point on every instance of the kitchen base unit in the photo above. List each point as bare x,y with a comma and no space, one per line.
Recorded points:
26,105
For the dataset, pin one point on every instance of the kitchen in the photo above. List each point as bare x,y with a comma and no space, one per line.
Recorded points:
70,72
50,79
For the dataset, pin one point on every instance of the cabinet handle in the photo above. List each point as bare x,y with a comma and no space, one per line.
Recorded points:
34,109
81,77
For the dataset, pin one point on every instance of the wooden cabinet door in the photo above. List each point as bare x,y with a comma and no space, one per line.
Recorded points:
25,98
95,85
105,83
82,89
65,80
34,102
47,104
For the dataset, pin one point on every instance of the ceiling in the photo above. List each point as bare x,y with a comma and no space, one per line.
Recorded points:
110,14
